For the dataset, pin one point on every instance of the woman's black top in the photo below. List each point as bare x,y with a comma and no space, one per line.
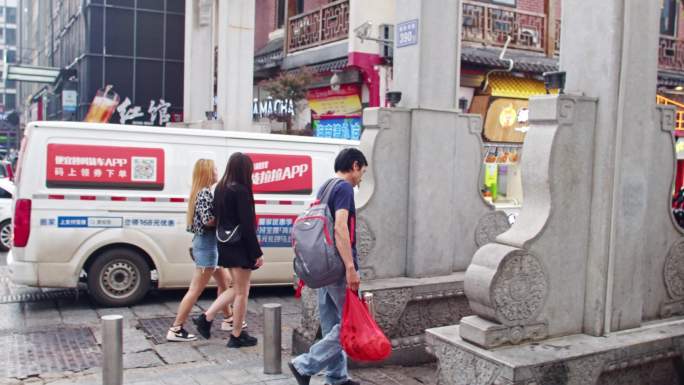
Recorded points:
235,205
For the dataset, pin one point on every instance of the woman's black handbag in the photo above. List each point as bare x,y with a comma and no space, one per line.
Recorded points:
229,235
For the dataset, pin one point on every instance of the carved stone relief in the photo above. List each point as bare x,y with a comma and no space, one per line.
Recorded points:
673,270
462,368
566,111
420,315
490,226
389,305
365,238
309,302
519,290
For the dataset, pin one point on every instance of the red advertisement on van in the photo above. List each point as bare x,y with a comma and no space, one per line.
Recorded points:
86,166
282,174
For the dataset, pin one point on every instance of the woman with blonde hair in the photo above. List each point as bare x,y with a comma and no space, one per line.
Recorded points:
200,222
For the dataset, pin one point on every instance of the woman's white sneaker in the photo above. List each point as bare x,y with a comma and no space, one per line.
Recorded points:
227,325
179,334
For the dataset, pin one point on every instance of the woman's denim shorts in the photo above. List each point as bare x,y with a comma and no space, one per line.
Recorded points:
204,249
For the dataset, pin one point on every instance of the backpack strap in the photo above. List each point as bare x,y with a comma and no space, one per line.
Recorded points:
327,190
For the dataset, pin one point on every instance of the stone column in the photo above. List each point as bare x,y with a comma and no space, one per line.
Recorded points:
427,73
445,153
619,68
235,63
198,82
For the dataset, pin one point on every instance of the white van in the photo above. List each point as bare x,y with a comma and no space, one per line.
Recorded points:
106,204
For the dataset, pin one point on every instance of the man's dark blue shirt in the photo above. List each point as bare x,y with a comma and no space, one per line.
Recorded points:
342,197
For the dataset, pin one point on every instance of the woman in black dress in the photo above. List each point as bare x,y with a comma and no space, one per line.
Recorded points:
234,210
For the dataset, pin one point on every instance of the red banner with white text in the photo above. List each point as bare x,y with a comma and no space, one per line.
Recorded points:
282,174
86,166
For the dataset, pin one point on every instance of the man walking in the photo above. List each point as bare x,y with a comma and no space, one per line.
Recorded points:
327,354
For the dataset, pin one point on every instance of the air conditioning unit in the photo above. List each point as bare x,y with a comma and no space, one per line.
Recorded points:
533,34
386,33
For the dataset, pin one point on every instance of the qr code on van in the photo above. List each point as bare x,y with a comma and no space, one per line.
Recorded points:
144,169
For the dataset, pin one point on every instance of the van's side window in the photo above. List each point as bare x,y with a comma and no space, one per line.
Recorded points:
5,194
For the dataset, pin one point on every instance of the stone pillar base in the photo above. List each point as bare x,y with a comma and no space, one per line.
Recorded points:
649,355
404,308
489,334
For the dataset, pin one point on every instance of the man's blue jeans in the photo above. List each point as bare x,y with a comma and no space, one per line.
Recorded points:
327,353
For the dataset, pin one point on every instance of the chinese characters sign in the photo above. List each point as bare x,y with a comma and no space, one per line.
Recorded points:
275,230
338,128
157,112
84,166
281,174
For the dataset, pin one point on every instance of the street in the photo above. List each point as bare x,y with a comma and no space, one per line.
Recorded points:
53,336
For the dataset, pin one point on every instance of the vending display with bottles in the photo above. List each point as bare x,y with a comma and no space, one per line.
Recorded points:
502,182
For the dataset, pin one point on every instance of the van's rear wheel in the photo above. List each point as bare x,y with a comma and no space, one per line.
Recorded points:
118,277
5,235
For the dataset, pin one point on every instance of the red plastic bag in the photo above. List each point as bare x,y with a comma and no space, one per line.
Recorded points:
361,338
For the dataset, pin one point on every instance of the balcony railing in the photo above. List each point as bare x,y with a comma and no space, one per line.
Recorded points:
491,24
556,44
671,53
321,26
679,112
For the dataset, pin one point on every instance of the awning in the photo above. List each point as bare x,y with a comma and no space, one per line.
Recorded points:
523,61
514,87
33,74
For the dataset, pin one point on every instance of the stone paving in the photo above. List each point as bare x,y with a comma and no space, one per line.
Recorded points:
57,341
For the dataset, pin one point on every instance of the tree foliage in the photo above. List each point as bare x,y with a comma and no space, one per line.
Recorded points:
290,85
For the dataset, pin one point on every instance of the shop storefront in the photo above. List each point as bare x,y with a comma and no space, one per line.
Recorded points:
329,109
505,113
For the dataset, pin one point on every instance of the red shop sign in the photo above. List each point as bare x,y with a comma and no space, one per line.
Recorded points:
281,174
99,167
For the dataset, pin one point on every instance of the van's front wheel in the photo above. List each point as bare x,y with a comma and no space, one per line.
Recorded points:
118,277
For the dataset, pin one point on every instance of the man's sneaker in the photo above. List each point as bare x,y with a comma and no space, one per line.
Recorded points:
301,379
179,334
349,382
244,340
203,326
227,325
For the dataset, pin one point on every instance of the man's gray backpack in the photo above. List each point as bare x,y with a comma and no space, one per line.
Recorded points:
317,261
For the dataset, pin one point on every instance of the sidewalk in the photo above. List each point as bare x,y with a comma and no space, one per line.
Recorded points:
215,374
57,341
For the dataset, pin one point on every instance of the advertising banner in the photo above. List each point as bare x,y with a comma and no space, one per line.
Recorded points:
275,230
282,174
104,167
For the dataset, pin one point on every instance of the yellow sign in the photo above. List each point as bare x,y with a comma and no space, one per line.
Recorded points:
343,105
508,116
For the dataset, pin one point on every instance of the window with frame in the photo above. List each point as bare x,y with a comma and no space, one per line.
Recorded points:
11,15
10,101
10,36
280,13
668,17
510,3
4,194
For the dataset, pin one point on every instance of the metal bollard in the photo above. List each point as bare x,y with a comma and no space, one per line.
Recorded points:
368,298
272,339
112,350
